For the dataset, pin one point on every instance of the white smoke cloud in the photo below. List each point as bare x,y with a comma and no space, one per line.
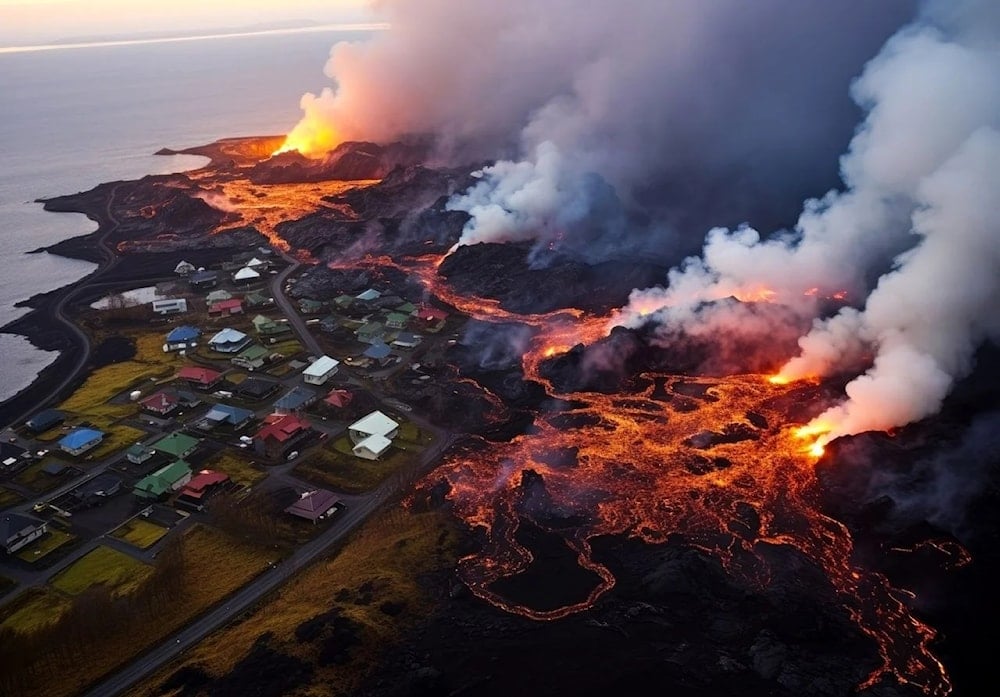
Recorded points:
703,111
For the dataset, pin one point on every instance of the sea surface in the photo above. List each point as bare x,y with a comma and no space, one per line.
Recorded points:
75,117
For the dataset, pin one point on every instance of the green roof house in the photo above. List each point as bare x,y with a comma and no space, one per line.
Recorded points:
176,445
343,301
163,481
406,309
370,332
396,320
265,326
252,357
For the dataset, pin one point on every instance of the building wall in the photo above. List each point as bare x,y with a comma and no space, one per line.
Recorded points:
25,540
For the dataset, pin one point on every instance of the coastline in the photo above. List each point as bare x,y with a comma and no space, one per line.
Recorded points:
49,326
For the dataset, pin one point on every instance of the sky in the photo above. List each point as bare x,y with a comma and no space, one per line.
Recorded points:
28,22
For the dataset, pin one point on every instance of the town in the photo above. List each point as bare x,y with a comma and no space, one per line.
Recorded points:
235,429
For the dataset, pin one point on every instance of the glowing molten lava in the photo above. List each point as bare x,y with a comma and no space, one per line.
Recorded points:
312,137
717,461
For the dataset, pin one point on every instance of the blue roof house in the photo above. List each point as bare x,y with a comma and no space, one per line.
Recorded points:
80,440
181,338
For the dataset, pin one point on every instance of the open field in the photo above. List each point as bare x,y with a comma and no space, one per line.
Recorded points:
371,587
33,609
185,593
140,533
240,470
117,570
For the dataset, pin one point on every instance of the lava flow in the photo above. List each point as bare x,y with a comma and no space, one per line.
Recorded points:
721,462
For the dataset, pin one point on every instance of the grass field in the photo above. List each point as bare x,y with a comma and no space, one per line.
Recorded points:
379,565
32,476
93,400
105,565
48,543
140,533
239,469
33,609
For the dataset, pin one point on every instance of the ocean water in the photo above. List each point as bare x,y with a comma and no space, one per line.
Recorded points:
73,118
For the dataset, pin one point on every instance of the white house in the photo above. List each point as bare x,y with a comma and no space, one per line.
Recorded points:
375,424
372,447
18,530
170,306
320,370
184,268
246,275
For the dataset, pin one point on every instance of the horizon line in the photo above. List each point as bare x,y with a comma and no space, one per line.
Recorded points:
350,26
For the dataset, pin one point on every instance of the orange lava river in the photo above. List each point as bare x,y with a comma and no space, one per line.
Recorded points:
679,456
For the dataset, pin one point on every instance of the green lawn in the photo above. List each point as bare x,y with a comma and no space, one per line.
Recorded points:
103,565
240,469
140,533
48,543
340,469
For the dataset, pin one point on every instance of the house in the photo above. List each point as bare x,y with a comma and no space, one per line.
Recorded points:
406,340
201,280
170,306
257,264
257,298
225,308
217,296
378,351
265,326
162,403
280,433
163,481
372,447
374,424
255,389
184,268
54,469
220,414
253,357
181,338
296,399
431,318
370,332
308,306
98,489
12,455
80,440
200,487
246,275
406,308
396,320
44,420
315,505
338,398
343,301
198,377
18,530
320,370
368,295
139,453
229,341
176,445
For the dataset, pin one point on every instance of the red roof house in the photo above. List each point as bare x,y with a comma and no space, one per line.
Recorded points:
205,378
161,403
279,433
202,483
233,306
432,318
314,505
338,398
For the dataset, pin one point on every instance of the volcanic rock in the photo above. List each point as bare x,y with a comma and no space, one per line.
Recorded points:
507,272
349,161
